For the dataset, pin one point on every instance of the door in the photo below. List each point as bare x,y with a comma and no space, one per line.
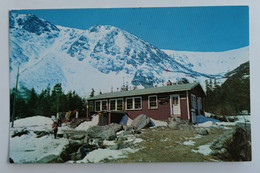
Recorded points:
175,105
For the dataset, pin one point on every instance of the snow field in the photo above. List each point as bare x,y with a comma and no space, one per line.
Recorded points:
28,148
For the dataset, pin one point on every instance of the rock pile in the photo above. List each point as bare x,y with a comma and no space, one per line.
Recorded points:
177,123
235,145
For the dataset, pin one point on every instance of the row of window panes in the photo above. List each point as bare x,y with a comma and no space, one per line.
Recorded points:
133,103
117,104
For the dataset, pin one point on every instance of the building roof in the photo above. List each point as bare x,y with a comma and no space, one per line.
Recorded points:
154,90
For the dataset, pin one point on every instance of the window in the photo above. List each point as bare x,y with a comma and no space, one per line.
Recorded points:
97,106
119,105
152,102
133,103
193,101
100,105
137,102
90,106
175,100
104,105
116,104
112,104
129,103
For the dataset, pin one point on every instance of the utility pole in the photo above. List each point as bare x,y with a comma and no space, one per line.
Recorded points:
15,92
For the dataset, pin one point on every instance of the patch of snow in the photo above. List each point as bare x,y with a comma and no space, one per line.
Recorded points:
137,140
196,137
243,118
28,148
157,123
98,155
33,121
85,125
166,139
106,142
133,139
190,142
207,114
226,123
203,149
207,124
120,132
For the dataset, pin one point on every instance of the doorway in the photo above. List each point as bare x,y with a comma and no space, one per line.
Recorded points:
175,105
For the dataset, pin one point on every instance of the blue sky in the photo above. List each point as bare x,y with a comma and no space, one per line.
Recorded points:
176,28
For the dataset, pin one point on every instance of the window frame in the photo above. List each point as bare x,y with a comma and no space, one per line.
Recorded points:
116,108
101,105
91,106
149,106
96,105
133,103
194,101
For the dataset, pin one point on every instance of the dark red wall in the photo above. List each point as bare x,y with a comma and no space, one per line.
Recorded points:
161,113
184,109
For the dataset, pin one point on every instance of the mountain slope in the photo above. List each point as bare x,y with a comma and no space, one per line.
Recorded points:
100,57
211,62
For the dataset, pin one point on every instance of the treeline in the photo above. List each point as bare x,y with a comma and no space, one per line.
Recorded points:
48,102
233,96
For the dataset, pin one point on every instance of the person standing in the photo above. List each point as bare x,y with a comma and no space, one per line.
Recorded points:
55,129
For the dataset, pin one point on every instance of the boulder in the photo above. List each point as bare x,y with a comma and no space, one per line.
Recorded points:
42,133
173,125
114,147
81,153
179,120
104,132
141,121
121,138
48,159
202,131
68,150
234,145
78,137
126,133
186,127
20,133
86,140
127,128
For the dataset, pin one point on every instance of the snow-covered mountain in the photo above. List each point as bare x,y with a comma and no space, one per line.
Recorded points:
100,57
211,62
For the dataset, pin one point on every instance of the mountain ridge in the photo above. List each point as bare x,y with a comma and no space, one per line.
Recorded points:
49,54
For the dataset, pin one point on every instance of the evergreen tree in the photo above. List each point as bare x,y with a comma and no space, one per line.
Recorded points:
29,103
232,96
56,94
92,93
32,103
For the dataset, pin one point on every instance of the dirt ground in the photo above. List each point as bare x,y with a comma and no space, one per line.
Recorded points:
163,144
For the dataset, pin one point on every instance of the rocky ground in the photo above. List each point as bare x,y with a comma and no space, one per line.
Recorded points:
144,140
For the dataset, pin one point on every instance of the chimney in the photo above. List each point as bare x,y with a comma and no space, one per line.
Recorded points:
168,83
